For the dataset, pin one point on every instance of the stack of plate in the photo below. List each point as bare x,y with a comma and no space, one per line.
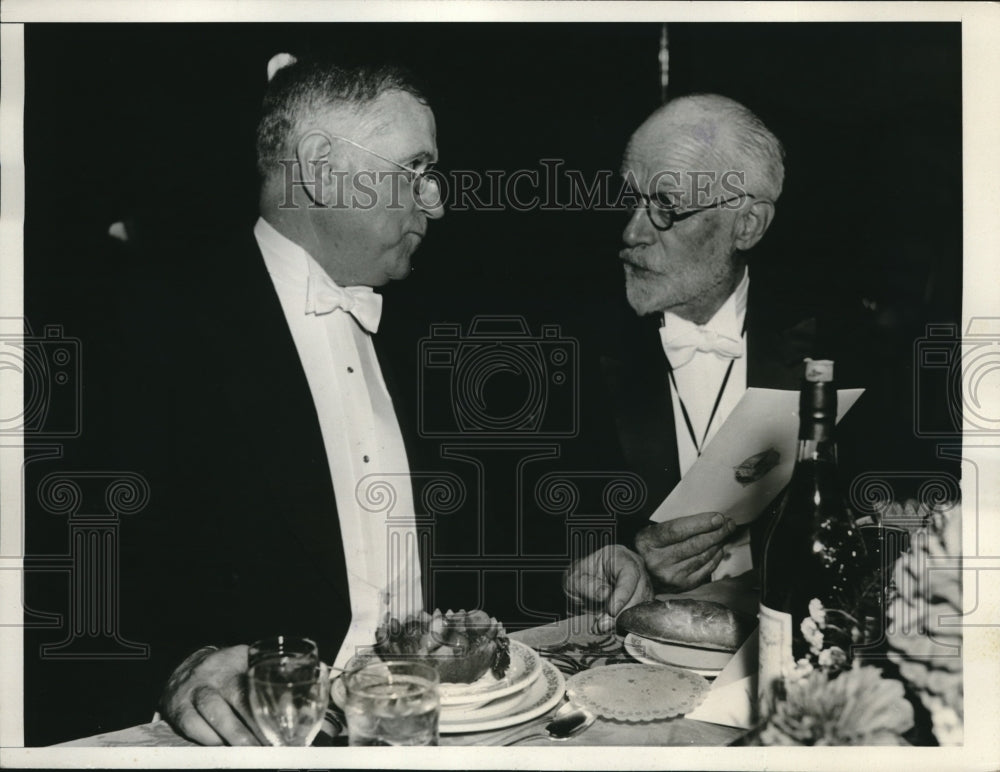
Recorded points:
529,688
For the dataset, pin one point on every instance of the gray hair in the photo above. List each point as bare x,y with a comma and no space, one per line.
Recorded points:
305,89
754,147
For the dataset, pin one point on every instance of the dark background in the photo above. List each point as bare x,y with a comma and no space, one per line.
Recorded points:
154,125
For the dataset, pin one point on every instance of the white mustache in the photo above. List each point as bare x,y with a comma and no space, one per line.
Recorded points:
631,257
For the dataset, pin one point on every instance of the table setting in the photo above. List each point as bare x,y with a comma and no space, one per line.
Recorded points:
565,685
839,636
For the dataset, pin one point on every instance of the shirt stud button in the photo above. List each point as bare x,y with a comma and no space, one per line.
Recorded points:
366,459
350,369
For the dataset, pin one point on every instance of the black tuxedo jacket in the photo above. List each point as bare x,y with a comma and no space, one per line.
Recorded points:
636,377
241,539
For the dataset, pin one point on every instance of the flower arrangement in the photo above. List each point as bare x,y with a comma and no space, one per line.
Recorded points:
856,707
924,631
829,633
831,700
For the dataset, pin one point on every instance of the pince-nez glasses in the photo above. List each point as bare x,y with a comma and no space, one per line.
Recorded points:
419,178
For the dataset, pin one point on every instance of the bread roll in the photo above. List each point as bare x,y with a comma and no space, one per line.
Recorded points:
691,622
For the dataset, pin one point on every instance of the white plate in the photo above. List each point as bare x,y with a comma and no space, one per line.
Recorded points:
541,696
634,692
525,667
706,662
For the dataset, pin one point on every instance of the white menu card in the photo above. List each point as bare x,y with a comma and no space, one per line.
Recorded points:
749,460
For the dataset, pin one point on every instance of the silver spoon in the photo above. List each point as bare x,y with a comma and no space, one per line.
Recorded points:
568,722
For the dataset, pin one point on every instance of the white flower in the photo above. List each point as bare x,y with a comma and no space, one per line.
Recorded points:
817,612
812,634
802,669
859,707
834,657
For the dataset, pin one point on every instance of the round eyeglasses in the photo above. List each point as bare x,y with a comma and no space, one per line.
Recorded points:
664,215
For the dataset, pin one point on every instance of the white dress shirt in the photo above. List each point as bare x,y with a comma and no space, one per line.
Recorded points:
363,442
698,382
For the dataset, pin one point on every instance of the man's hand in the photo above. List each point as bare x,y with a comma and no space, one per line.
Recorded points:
206,699
611,580
681,554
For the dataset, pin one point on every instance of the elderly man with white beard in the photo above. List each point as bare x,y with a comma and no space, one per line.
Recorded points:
704,173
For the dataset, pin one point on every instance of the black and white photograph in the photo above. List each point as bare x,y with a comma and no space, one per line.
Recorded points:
617,384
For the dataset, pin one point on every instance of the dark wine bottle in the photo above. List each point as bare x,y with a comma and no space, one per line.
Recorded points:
814,562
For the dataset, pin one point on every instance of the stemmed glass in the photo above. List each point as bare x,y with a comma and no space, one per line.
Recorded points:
289,689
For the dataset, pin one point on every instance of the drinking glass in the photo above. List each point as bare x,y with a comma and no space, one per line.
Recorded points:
392,703
289,689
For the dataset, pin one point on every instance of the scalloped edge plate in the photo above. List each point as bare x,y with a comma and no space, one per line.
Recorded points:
540,697
637,693
525,667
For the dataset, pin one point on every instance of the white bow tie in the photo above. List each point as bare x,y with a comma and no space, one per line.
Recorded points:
681,338
324,297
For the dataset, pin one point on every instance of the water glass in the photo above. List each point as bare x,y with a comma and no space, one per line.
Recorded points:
289,689
392,703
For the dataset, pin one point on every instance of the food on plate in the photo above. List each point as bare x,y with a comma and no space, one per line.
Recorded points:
702,623
462,646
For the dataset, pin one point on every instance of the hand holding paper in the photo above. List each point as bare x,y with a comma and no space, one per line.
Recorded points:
749,461
741,471
682,553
